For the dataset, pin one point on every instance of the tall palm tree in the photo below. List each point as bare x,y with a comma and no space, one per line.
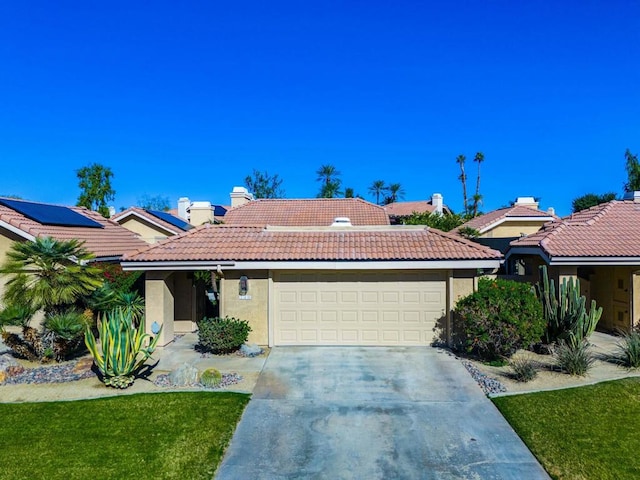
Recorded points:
327,174
378,188
48,274
463,178
477,198
396,192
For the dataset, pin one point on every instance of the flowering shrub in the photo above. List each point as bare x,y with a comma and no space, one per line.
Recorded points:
118,280
500,318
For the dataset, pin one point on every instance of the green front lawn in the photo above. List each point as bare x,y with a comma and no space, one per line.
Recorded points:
581,433
162,435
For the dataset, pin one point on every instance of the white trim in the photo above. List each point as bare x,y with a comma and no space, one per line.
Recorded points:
594,261
115,218
319,265
17,231
515,219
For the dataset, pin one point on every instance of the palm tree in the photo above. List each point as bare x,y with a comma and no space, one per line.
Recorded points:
48,274
331,189
463,178
477,198
396,193
327,174
377,188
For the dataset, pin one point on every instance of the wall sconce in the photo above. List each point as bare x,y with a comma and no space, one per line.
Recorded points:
243,285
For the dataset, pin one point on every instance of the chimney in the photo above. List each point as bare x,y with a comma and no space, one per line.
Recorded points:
436,201
551,211
240,196
527,202
112,211
200,213
183,208
636,197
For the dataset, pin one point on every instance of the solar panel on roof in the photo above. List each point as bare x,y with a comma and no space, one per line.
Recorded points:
167,217
50,214
219,210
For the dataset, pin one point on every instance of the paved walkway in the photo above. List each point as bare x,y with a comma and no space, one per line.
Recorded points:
372,413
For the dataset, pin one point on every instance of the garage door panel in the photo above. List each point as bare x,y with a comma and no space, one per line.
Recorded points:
357,308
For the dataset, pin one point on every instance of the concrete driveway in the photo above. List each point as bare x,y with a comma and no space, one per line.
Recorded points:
372,413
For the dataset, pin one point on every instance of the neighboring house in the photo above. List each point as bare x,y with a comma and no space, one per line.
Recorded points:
397,210
497,229
151,225
306,212
25,221
601,247
376,285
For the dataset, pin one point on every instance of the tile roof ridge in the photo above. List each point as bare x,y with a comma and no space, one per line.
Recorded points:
591,214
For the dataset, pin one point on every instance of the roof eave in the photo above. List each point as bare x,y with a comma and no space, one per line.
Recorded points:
457,264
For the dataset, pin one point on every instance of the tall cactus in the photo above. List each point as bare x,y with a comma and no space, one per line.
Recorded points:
566,315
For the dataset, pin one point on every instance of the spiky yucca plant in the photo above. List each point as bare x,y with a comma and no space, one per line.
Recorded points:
122,349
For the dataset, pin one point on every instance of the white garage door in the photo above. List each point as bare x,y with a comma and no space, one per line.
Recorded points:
359,308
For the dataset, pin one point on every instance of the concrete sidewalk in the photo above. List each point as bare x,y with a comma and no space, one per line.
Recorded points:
374,413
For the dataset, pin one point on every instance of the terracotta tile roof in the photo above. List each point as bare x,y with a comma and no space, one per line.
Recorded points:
252,243
486,221
306,212
110,241
141,212
608,230
401,209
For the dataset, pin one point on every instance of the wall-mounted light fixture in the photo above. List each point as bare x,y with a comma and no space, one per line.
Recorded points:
243,286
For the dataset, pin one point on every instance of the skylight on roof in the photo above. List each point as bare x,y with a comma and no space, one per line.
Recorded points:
50,214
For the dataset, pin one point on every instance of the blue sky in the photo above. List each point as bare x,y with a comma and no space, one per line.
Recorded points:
187,98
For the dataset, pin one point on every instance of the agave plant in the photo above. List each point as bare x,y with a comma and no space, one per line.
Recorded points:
122,349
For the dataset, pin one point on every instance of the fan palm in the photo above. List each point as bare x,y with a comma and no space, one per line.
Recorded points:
377,188
48,274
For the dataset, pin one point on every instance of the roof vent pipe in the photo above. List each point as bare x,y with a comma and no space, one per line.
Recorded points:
341,222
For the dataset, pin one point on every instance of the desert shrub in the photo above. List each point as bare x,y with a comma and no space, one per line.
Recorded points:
500,318
524,368
211,378
573,356
222,335
628,350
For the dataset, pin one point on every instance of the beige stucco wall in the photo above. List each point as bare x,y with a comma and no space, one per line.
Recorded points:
513,229
7,239
159,304
254,307
146,231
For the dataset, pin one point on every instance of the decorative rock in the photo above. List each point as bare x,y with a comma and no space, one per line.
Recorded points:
83,365
7,362
489,385
13,371
184,376
250,350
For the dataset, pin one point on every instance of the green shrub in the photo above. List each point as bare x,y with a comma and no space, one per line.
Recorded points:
211,378
629,349
524,369
573,356
222,335
500,318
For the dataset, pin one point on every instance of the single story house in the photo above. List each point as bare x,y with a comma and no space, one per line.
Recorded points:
22,221
339,285
498,228
601,247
